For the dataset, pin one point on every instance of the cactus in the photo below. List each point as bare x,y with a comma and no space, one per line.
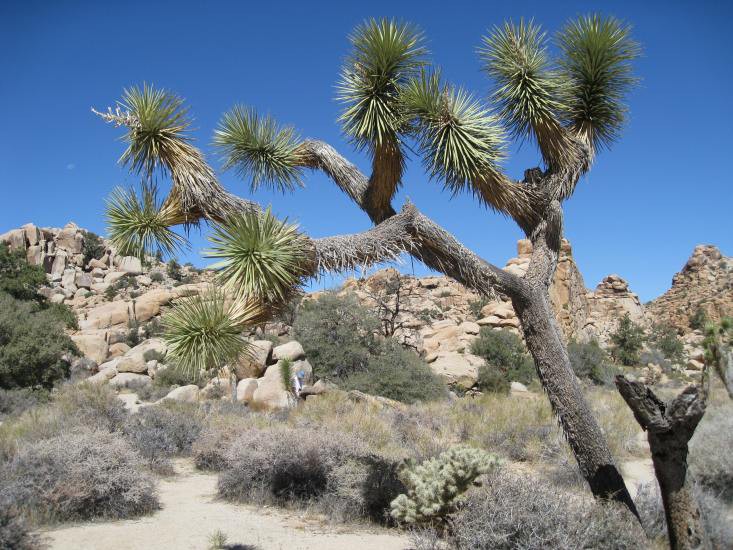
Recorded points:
436,487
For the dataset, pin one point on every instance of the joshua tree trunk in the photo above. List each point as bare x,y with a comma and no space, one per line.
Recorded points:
669,429
580,427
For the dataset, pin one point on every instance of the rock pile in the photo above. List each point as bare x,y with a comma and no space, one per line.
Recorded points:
704,283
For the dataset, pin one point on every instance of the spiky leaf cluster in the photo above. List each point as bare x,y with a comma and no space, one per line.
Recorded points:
385,55
204,332
436,486
261,256
527,90
139,225
458,138
155,137
258,147
596,62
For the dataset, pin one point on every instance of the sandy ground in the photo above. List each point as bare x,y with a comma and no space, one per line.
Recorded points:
190,514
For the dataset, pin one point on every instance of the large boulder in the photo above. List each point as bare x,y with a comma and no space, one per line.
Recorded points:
253,364
107,315
104,375
130,264
92,345
246,389
184,394
291,350
70,239
271,394
135,360
148,305
459,369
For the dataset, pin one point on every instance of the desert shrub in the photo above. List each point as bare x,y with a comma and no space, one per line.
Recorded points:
338,334
157,277
627,341
18,278
76,476
172,375
506,351
714,513
153,355
110,293
397,373
436,487
663,337
16,402
711,452
173,269
590,362
63,313
133,333
475,306
330,470
492,380
93,247
699,319
513,511
15,533
33,345
654,356
162,431
153,328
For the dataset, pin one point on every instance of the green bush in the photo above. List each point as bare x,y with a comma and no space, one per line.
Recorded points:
397,373
17,278
475,306
590,362
506,351
15,533
16,402
627,341
33,345
173,269
157,277
492,380
338,334
699,319
436,487
93,247
663,337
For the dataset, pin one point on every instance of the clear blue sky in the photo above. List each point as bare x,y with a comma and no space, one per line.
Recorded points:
664,188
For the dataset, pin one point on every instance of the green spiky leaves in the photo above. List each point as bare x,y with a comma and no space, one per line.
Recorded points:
139,225
259,148
261,256
156,134
528,91
458,137
597,63
204,332
385,55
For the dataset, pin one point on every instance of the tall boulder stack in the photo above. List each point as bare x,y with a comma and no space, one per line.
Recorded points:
612,300
705,282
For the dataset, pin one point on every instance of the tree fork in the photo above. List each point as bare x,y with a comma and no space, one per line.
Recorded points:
669,428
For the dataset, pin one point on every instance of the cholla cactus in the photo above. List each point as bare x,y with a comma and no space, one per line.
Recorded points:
436,486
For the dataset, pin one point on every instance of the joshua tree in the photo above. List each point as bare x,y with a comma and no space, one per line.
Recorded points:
392,98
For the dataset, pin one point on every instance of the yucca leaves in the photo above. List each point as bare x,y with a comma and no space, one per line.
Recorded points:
385,55
159,128
528,90
261,256
204,332
458,137
140,225
596,62
257,147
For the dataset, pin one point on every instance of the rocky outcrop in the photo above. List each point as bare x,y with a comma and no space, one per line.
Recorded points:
611,300
704,283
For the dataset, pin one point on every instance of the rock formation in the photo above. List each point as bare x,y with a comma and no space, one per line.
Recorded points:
704,283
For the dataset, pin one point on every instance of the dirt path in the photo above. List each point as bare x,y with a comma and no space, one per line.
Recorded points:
190,514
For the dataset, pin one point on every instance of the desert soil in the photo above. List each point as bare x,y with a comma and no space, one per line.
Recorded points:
190,513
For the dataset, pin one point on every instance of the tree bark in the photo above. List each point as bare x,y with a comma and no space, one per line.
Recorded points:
583,433
669,428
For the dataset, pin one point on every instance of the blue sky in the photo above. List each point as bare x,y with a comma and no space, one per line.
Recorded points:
660,191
